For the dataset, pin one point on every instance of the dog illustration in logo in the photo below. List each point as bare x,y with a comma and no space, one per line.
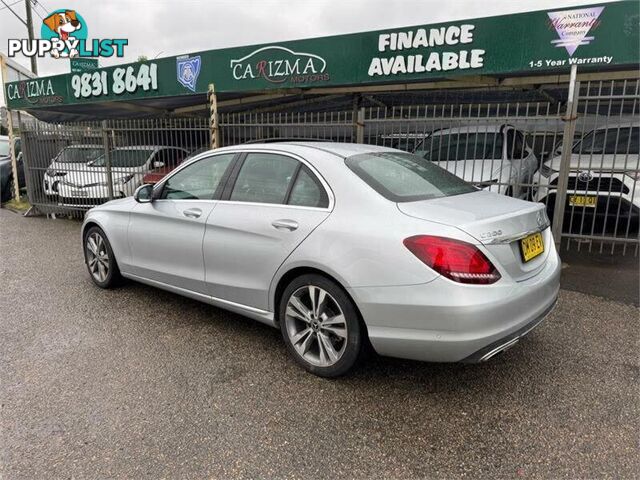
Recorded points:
64,24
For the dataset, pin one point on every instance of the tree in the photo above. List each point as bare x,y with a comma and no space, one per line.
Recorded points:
142,58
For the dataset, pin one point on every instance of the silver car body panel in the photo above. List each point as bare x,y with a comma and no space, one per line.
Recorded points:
233,257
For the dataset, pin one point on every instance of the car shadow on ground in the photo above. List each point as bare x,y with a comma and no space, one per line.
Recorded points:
373,369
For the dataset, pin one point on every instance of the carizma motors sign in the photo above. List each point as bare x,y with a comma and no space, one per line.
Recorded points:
277,64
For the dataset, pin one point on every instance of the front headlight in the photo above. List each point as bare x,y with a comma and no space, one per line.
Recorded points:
123,180
54,173
546,171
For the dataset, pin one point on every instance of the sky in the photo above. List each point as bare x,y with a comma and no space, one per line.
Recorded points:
164,28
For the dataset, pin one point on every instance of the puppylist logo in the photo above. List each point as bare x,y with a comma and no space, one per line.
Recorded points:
64,34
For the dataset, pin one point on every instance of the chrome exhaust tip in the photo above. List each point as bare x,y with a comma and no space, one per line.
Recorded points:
499,349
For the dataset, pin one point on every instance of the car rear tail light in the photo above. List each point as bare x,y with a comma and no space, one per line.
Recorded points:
456,260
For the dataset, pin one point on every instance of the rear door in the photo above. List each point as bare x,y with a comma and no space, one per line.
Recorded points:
271,204
166,235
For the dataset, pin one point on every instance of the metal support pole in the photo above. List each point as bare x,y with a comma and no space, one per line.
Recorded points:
360,126
565,161
213,118
358,119
34,62
107,157
12,138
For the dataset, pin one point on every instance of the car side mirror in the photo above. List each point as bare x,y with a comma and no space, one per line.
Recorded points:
158,164
144,193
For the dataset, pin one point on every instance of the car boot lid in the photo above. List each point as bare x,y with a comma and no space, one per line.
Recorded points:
488,217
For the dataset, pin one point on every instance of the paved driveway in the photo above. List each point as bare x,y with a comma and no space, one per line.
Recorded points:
137,382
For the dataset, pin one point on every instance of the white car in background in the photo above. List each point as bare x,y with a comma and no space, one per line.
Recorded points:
71,158
129,165
603,189
492,157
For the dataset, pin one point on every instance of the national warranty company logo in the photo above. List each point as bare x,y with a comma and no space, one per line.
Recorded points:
573,26
64,34
277,64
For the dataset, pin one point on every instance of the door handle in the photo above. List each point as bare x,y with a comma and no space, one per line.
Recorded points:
192,212
284,224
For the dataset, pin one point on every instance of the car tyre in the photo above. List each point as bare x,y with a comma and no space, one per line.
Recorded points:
320,326
100,260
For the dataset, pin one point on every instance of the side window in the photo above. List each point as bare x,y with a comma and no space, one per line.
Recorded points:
175,157
264,178
198,181
307,191
171,157
515,144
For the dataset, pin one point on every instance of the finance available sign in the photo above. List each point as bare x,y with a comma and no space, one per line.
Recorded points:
593,37
423,39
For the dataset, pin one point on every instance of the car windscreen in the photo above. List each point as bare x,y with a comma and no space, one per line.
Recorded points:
462,146
610,141
403,177
4,148
78,154
124,158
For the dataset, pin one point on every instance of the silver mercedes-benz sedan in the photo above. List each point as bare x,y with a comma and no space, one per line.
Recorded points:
337,245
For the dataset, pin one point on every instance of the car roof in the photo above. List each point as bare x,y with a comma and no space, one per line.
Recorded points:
477,128
615,125
146,147
342,150
85,145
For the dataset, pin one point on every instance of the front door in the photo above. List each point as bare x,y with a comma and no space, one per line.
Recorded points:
166,235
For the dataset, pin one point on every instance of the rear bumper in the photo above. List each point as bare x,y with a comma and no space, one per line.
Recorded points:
442,321
508,341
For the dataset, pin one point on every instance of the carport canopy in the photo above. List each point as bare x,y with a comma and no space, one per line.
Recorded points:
511,57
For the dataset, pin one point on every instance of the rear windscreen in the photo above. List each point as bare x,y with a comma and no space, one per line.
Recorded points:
403,177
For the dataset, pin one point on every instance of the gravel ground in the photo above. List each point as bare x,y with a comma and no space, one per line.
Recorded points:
137,382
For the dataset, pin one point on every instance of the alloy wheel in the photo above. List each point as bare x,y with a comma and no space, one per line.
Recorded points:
97,257
316,326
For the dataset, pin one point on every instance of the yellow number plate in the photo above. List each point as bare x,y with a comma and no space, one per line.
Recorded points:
583,201
531,246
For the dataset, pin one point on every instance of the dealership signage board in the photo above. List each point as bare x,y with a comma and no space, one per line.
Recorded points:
79,65
594,36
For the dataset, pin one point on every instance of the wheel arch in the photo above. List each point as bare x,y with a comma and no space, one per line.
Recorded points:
87,225
297,271
92,222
